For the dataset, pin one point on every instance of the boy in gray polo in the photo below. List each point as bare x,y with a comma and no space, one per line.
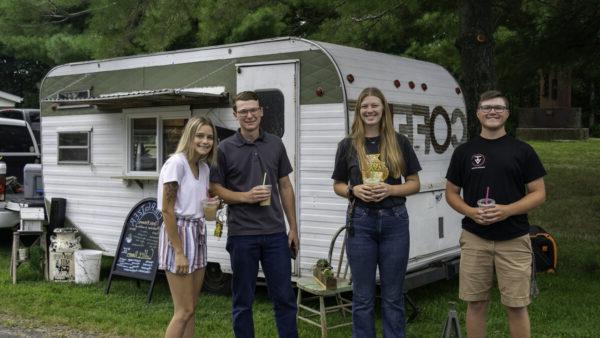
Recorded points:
248,160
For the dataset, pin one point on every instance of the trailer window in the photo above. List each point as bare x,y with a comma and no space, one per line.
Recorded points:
152,138
272,101
74,147
143,143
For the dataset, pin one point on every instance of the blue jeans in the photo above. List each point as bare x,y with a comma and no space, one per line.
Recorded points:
381,239
274,255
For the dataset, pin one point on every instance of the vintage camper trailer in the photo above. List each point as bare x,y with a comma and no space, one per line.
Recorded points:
108,125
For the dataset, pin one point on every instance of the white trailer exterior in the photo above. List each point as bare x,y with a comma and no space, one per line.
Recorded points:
314,83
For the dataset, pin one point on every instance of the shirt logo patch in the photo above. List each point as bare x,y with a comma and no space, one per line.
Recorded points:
478,161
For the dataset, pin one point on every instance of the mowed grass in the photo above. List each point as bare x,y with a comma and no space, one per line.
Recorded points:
568,304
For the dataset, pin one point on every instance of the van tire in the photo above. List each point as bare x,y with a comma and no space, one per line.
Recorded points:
215,281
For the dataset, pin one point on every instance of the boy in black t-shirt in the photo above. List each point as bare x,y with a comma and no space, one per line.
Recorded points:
496,167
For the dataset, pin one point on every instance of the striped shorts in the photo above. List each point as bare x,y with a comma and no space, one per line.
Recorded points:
192,232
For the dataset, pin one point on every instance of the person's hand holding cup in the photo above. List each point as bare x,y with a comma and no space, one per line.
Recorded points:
267,201
210,206
485,204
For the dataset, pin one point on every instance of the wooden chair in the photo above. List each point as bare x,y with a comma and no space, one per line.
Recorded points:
318,291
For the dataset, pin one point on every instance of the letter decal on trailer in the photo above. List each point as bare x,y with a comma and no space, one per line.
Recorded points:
439,148
427,128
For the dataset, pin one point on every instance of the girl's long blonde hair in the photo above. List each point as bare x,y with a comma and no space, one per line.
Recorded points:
187,137
389,149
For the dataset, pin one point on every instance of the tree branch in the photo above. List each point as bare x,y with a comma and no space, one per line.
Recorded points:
57,15
372,17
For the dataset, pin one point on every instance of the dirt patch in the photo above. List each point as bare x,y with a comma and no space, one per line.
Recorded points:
13,327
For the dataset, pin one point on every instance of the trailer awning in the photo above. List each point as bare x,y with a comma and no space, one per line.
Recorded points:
148,98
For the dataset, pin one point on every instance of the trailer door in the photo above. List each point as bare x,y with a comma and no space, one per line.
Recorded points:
276,85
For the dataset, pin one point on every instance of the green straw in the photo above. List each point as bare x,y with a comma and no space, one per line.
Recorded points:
264,178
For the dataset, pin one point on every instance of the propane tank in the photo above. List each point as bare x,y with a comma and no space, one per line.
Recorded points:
2,180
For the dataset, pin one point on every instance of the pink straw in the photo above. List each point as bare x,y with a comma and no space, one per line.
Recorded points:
487,193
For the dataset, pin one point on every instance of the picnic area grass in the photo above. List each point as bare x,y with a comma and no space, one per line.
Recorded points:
568,304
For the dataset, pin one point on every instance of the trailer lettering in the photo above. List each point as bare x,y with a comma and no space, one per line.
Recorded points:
427,127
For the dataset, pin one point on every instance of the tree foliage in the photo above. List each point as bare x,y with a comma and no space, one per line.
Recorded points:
522,37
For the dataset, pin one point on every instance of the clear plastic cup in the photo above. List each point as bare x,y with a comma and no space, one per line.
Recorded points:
266,202
486,203
371,181
210,207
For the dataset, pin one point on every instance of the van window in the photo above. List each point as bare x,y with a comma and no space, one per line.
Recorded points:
34,116
12,114
15,139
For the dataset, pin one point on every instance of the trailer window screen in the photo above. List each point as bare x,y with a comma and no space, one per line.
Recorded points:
272,101
152,139
143,143
74,147
172,130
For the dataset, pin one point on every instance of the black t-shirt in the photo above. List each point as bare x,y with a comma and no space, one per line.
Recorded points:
347,168
505,165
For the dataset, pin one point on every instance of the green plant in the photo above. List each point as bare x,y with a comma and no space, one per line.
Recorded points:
327,273
36,257
323,263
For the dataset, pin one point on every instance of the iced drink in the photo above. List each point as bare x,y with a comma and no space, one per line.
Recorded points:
486,203
266,202
371,181
210,209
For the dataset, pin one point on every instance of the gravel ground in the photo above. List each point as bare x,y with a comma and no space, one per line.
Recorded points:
13,327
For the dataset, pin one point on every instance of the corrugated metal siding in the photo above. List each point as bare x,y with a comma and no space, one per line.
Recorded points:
322,212
97,203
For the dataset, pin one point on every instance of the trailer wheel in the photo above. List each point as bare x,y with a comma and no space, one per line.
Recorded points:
215,281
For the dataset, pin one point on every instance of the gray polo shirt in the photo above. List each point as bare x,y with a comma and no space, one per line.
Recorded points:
241,166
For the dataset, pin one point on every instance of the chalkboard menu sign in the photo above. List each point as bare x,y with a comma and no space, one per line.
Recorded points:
137,253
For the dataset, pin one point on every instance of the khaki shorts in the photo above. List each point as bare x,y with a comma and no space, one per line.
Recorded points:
512,262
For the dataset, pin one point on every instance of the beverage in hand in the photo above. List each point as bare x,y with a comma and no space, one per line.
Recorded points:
486,203
371,181
210,208
266,202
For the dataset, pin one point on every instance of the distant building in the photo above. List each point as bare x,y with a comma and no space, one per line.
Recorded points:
555,118
9,100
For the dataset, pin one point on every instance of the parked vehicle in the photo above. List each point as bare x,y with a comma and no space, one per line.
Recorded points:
18,147
110,123
31,115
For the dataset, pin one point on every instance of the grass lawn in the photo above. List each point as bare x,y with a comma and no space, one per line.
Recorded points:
568,304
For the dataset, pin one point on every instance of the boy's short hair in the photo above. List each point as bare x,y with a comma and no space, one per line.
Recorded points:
245,96
492,94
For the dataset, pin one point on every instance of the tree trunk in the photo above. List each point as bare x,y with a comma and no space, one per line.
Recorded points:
593,108
475,44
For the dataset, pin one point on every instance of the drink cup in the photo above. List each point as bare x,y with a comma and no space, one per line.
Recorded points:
486,203
266,202
371,181
210,208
